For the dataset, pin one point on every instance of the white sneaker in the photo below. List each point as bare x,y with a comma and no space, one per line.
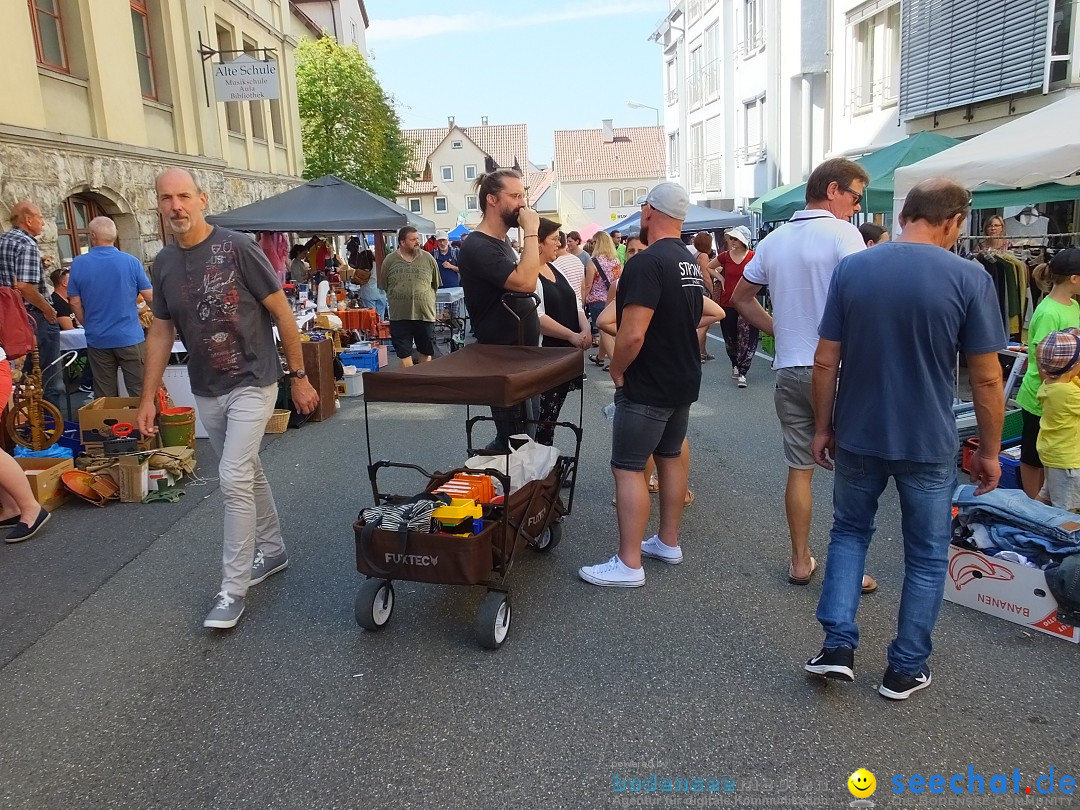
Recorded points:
613,574
657,550
741,381
734,373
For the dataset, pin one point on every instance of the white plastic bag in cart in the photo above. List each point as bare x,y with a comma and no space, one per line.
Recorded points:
531,461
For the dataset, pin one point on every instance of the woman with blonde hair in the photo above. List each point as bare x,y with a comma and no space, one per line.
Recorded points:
994,231
601,275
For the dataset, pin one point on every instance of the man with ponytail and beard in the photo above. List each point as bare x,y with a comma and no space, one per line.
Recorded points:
490,268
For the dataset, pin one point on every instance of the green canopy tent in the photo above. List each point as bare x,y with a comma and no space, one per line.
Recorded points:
782,202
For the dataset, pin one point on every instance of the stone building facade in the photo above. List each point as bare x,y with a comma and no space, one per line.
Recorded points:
96,106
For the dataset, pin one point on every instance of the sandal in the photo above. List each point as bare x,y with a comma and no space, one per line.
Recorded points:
654,484
794,580
869,584
689,501
593,359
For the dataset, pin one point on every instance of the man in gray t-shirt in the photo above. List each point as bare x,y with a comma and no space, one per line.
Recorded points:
211,293
216,288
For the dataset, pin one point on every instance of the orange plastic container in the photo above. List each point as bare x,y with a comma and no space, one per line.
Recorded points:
479,488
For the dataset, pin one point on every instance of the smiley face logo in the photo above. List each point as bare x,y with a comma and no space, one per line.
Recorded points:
862,784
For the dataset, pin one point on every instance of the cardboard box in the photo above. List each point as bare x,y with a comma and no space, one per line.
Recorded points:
1005,589
105,412
319,364
133,477
44,477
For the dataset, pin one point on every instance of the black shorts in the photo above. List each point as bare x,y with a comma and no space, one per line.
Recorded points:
1029,453
404,333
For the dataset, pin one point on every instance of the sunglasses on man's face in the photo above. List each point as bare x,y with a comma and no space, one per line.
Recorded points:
856,195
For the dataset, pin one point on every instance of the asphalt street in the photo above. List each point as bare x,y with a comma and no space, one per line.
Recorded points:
113,696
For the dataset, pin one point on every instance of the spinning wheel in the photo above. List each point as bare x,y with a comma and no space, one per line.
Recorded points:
33,421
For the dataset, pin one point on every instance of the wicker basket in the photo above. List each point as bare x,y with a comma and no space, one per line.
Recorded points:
278,423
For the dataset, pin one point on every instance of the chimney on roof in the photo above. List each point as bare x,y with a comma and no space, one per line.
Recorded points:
483,120
450,120
609,131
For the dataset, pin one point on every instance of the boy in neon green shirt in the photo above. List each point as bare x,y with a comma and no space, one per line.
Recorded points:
1059,433
1058,310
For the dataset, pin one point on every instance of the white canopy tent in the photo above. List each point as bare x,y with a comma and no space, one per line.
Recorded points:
1033,150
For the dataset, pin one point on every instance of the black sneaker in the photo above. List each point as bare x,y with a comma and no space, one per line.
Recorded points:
24,532
897,686
86,389
837,663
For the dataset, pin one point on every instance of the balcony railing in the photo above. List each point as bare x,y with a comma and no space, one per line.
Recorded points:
706,173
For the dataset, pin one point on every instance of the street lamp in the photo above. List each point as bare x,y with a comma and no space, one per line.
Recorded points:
637,105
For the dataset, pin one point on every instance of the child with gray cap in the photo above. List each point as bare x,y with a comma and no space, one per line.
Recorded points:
1058,357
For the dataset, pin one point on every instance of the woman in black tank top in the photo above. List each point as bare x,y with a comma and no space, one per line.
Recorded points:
562,324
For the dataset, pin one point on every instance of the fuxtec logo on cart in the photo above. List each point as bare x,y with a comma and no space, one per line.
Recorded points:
412,559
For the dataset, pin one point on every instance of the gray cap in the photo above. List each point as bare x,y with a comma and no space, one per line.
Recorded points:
670,199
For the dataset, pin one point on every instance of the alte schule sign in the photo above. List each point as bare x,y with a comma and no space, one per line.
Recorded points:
246,79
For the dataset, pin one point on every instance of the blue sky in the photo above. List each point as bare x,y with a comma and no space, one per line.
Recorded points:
561,64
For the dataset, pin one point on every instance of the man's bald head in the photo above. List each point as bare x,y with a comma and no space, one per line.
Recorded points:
102,231
935,201
27,216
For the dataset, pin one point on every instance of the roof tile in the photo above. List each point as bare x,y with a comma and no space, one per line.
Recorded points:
581,154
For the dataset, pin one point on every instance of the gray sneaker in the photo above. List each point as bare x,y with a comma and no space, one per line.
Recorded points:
226,611
265,566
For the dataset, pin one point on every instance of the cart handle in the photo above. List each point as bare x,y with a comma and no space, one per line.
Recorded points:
521,323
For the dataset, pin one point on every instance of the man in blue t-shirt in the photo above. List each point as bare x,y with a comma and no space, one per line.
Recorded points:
102,290
895,318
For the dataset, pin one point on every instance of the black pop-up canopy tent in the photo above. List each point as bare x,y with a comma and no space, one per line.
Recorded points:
326,205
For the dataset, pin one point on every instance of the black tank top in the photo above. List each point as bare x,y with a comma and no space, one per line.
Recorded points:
560,304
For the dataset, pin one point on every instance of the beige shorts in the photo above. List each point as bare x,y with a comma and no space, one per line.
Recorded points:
1061,488
795,407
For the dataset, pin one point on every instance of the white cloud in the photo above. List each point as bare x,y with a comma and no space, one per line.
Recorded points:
408,29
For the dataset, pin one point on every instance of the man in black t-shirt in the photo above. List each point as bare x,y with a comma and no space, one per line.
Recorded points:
489,269
656,367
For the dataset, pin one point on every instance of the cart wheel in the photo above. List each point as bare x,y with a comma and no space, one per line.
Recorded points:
374,603
549,538
493,620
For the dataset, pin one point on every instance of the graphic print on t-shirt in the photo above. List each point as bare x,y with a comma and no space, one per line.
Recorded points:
217,310
690,274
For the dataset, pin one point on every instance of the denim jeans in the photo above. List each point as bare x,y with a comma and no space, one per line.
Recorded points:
926,515
1013,507
48,340
235,423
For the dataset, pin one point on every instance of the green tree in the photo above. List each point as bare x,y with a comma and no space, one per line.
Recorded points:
349,125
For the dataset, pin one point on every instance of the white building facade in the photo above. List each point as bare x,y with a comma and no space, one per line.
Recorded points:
600,177
447,162
345,20
745,91
755,98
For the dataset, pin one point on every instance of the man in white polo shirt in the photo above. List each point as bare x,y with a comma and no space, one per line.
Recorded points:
796,262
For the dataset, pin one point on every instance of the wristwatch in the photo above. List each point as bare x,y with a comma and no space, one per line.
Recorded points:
299,374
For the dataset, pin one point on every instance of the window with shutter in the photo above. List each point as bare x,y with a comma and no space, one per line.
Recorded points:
966,51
